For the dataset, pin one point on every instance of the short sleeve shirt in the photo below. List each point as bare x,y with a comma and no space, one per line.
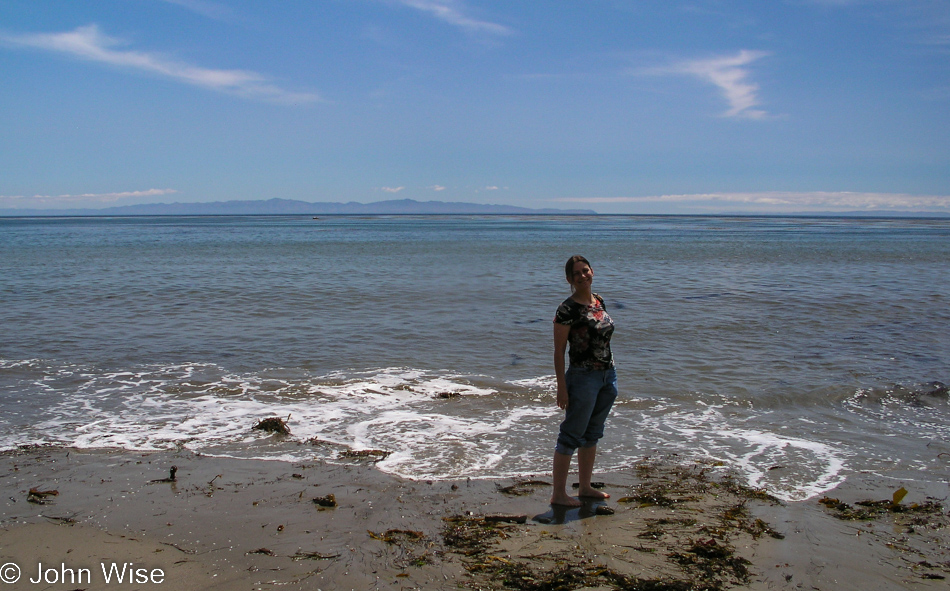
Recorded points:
591,328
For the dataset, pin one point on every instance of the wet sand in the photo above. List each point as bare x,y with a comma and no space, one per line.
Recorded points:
251,524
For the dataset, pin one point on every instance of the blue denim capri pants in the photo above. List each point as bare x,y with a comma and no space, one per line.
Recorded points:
590,395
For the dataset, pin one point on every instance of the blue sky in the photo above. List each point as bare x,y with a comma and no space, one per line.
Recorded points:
700,106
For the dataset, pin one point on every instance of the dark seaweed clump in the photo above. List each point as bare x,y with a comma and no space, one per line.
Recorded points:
273,425
470,535
738,517
326,501
40,497
714,562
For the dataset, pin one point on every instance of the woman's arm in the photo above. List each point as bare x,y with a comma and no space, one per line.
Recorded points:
561,331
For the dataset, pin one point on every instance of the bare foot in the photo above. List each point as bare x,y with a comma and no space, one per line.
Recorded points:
593,493
563,499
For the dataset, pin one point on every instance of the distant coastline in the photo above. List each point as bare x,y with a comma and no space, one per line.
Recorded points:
407,207
291,206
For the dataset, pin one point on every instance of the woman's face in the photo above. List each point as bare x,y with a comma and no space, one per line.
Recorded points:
582,275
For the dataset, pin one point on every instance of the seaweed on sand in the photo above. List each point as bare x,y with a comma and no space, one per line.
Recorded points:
738,516
568,576
470,535
667,485
301,555
412,546
657,528
910,530
871,510
730,484
518,575
688,524
395,536
40,497
328,501
713,562
655,496
700,547
474,539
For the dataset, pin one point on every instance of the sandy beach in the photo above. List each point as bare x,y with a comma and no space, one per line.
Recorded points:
240,524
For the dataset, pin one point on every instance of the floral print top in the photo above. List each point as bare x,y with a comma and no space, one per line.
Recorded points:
591,328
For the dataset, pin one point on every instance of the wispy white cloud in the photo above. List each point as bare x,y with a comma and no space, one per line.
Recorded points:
392,189
90,44
437,188
454,13
41,200
790,199
730,76
491,188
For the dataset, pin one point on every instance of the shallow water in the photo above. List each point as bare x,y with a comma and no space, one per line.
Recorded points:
798,349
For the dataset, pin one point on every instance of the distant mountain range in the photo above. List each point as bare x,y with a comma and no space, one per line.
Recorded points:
291,206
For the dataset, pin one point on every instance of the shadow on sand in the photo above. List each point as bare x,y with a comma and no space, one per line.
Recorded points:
560,514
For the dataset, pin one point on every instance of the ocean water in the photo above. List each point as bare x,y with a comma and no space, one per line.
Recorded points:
798,350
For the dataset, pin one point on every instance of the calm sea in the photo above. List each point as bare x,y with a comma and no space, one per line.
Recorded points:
799,350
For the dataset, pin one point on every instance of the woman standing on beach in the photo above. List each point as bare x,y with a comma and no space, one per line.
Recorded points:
588,388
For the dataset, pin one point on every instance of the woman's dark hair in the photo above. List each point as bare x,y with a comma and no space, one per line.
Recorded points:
569,266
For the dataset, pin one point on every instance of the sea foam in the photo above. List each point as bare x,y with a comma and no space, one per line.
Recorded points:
434,424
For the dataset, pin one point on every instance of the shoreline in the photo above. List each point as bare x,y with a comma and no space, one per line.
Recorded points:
253,524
